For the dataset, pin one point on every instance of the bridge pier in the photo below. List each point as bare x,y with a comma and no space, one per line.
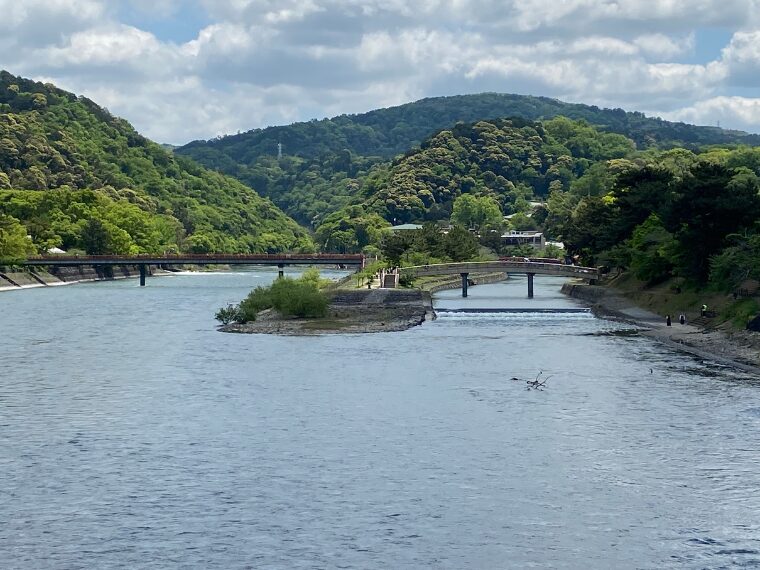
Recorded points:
142,274
530,285
464,283
280,270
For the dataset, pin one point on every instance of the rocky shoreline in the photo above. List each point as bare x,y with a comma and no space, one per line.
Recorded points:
360,311
735,348
354,311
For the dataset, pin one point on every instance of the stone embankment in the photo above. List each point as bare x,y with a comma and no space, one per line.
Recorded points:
13,279
739,349
351,311
434,285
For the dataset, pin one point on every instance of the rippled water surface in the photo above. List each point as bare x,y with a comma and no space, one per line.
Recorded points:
133,435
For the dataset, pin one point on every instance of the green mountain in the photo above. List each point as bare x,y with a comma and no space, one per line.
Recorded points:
322,160
75,176
512,161
388,132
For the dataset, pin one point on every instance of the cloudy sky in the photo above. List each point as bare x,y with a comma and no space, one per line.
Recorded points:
186,69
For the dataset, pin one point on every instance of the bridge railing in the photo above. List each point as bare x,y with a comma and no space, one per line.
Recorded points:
204,257
504,265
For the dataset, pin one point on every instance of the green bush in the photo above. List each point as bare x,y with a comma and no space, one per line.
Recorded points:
741,312
228,314
290,297
257,300
298,298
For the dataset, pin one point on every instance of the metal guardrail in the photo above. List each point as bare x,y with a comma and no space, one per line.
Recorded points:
269,259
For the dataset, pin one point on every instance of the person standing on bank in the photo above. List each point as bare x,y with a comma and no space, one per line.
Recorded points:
667,320
682,319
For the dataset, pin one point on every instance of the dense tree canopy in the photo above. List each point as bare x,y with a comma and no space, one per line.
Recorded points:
55,143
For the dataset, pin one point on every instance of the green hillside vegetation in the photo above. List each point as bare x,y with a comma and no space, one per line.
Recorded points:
677,214
324,161
692,217
74,176
509,161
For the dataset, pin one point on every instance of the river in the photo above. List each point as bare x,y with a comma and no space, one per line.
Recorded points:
133,435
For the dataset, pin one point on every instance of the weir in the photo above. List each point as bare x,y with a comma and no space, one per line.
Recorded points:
515,310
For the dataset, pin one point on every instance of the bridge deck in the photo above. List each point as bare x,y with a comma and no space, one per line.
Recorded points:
197,259
536,268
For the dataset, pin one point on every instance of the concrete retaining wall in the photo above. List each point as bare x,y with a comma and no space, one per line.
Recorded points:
476,279
38,277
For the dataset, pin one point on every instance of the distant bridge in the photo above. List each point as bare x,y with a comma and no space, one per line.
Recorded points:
530,268
144,261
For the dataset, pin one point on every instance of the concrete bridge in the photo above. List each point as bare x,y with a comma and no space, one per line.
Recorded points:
530,268
144,261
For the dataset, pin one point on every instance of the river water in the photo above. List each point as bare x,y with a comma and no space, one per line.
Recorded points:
133,435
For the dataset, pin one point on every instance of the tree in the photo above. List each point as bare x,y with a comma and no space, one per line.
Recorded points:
460,245
95,237
394,245
709,205
476,212
651,251
14,243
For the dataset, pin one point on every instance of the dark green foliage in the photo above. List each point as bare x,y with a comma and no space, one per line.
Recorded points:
709,205
387,132
672,218
228,314
429,245
737,263
54,140
460,245
329,164
395,244
496,165
257,300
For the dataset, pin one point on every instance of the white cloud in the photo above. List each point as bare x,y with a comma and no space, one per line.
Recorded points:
741,59
259,62
736,112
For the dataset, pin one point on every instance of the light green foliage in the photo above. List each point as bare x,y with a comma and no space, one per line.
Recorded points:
257,300
51,140
522,222
351,230
14,243
290,297
476,212
552,251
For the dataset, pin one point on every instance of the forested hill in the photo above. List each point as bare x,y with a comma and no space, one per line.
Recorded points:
74,176
387,132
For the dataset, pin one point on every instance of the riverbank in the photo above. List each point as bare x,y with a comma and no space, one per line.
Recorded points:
360,311
350,312
15,280
736,348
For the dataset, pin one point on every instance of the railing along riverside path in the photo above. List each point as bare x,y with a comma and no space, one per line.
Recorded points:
530,268
144,261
